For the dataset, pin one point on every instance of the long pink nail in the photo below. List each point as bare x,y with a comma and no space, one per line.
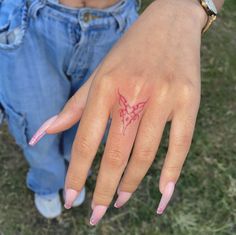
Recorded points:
70,196
98,213
123,197
166,196
42,131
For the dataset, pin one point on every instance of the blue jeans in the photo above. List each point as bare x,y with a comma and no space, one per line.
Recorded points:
47,51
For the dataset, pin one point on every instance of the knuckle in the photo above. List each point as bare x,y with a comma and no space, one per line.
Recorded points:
83,147
183,141
76,104
115,158
73,181
171,173
172,168
104,83
128,185
189,93
102,197
165,87
144,156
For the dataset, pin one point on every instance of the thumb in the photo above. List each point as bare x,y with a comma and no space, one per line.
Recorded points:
73,109
69,116
71,112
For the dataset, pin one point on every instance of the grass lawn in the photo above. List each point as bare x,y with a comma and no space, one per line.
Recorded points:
204,202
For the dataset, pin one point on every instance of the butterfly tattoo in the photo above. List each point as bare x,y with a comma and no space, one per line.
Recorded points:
129,113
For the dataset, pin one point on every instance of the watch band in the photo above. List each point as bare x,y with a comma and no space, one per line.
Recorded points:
211,13
210,20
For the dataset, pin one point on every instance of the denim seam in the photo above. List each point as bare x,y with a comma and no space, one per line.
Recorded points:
74,63
18,121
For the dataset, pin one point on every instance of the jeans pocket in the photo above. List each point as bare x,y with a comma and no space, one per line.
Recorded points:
17,125
13,23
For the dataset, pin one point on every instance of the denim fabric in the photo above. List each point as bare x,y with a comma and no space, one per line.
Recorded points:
47,51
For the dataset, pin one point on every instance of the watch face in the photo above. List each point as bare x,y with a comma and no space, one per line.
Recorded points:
211,6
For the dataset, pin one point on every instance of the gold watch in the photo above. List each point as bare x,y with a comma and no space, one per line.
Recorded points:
210,9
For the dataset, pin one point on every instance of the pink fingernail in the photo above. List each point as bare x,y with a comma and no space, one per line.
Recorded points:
98,213
70,196
123,197
42,131
166,196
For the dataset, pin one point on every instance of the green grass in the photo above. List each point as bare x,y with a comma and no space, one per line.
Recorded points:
205,198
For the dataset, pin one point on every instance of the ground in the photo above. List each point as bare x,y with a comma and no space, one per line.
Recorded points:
205,196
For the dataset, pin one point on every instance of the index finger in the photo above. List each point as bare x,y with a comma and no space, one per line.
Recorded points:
89,135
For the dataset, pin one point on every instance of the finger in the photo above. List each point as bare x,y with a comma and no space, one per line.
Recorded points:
182,128
73,109
123,197
98,212
119,144
41,132
89,135
69,116
145,148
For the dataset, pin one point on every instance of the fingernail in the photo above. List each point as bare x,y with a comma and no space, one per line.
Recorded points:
98,213
123,197
70,196
42,131
166,196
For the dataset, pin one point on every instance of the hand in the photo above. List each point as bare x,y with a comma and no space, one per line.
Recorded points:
150,77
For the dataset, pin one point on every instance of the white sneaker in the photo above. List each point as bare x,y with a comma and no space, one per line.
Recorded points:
48,206
80,198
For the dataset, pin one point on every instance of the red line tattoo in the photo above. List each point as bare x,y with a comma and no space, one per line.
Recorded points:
129,113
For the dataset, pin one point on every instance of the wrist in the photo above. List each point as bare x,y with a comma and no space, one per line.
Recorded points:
199,12
189,10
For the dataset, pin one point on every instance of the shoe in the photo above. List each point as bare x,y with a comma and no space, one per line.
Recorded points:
49,206
80,198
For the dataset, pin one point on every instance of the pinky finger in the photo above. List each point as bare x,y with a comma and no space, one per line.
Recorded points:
182,128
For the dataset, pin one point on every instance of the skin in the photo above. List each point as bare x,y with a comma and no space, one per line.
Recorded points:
154,67
89,3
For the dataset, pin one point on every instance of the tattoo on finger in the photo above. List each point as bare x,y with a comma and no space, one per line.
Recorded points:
129,113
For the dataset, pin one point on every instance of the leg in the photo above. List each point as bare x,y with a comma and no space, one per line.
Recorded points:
33,88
